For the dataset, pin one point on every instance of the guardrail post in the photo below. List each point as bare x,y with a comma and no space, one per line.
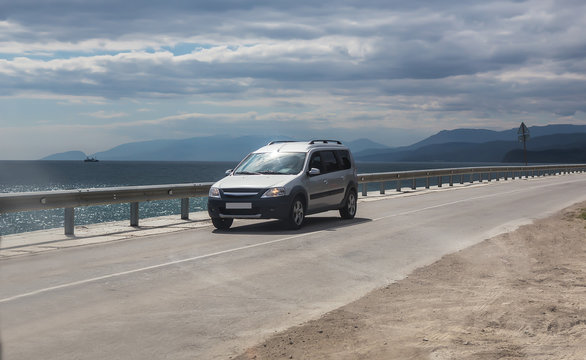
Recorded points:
414,184
497,176
398,185
184,208
364,189
461,179
451,180
382,187
427,182
69,222
439,181
472,178
134,214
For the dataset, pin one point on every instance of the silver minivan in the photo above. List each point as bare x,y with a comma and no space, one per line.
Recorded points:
287,180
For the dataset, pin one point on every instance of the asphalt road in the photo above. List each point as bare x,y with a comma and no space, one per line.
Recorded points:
202,294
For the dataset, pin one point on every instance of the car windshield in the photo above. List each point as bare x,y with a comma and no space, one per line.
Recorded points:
271,163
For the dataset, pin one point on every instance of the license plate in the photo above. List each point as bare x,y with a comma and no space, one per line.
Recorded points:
238,205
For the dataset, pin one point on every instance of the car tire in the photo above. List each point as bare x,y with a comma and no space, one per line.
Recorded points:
348,210
222,224
296,214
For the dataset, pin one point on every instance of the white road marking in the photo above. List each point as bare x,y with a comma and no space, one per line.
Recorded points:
81,282
470,199
109,276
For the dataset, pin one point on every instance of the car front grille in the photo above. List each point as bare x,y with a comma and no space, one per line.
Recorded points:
241,193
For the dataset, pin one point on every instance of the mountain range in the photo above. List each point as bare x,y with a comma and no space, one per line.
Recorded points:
551,143
211,148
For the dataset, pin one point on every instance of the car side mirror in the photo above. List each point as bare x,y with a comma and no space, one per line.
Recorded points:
313,172
228,172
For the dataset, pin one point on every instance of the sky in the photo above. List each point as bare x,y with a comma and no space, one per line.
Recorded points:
90,75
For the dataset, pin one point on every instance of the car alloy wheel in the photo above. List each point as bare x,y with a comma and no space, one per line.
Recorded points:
297,214
348,211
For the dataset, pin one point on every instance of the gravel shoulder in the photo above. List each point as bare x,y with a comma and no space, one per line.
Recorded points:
520,295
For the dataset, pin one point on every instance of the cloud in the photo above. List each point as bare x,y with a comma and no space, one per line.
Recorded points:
329,64
104,115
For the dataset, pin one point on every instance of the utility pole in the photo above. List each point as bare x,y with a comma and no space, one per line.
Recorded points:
523,135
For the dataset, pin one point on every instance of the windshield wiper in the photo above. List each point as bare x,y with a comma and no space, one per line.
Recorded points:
247,173
268,172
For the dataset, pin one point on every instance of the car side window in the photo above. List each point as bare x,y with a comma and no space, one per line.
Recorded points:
315,162
329,162
344,159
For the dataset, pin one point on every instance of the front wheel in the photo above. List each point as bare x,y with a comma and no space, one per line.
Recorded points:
222,224
348,210
296,214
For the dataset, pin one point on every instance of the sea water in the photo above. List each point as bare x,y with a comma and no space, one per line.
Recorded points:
27,176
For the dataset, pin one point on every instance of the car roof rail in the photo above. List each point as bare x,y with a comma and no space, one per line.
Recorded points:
281,141
325,141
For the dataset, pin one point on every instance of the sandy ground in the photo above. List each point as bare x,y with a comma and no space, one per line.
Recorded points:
520,295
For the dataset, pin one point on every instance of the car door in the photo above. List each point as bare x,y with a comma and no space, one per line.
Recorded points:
317,184
334,178
326,189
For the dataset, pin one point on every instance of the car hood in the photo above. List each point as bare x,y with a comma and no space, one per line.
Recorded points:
253,181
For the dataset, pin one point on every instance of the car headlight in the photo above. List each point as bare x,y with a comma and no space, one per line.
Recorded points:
214,192
274,192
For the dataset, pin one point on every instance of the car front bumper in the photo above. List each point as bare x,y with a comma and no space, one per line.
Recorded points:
257,208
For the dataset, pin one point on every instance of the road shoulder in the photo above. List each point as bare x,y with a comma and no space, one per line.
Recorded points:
517,295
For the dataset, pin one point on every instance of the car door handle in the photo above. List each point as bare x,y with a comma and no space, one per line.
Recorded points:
325,182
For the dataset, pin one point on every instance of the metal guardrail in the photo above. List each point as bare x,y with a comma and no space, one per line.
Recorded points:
491,173
70,199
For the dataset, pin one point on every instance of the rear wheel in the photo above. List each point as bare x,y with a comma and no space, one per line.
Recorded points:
296,214
348,210
222,224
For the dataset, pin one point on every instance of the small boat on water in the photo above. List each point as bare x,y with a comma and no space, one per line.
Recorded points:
90,159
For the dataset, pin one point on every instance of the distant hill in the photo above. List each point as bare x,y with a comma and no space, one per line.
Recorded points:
493,151
69,155
477,145
360,145
558,156
211,148
461,145
483,136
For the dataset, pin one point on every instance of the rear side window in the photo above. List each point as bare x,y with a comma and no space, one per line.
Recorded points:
344,157
329,161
